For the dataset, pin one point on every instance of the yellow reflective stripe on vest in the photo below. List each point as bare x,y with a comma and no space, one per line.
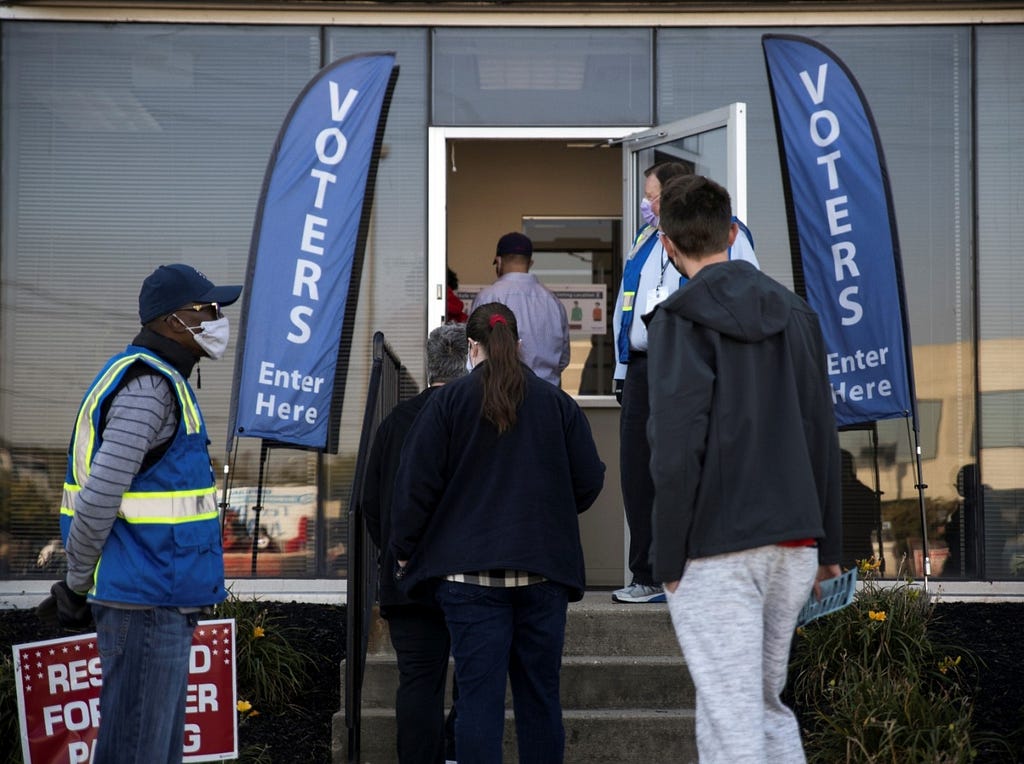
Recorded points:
84,447
627,301
165,507
169,507
67,499
641,237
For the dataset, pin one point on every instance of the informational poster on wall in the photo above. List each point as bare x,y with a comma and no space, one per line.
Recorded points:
585,304
58,683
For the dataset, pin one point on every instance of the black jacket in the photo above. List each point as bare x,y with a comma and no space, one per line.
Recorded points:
744,449
468,499
378,488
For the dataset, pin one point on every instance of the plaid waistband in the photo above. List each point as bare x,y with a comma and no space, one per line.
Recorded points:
500,578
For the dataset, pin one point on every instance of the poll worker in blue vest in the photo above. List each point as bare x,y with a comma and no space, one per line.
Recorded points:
139,517
648,277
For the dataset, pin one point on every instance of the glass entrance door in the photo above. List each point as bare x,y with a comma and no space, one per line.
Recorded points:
713,144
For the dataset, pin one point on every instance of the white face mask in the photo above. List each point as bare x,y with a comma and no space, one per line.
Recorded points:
211,336
647,213
470,363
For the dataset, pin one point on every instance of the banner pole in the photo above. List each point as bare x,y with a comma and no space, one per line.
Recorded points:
920,485
224,493
877,506
258,507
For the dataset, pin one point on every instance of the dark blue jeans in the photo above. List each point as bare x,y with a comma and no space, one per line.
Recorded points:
144,656
515,632
420,638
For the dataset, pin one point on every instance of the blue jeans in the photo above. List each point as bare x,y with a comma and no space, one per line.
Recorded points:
516,632
144,655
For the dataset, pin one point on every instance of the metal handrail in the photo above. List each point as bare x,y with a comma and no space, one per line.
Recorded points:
388,382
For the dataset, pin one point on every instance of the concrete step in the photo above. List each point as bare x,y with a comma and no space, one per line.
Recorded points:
598,626
595,626
609,736
626,693
588,682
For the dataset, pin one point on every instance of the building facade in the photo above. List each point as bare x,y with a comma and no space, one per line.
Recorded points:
135,134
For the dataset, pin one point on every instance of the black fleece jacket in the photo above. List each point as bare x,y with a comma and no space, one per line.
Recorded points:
744,449
378,488
469,499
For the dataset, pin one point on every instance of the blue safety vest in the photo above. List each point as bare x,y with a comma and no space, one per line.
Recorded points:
643,244
164,548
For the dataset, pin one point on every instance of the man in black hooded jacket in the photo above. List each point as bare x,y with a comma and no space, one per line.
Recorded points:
745,462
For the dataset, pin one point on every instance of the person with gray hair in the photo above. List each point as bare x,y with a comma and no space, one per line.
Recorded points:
446,354
418,631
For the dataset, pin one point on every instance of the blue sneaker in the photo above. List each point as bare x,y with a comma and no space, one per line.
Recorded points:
639,593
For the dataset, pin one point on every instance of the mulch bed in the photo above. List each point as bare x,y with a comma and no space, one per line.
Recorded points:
993,632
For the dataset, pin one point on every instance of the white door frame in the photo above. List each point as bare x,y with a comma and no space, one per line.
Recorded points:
732,117
437,190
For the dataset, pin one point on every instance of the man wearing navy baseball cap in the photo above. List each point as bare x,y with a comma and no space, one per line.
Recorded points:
543,324
140,494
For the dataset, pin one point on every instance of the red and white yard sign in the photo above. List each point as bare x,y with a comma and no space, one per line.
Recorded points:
58,683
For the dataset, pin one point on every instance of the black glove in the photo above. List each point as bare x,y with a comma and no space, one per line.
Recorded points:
65,607
617,389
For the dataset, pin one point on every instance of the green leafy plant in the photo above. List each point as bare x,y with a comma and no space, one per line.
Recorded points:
270,671
871,685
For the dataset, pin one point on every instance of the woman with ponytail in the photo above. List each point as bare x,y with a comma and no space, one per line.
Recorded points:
493,475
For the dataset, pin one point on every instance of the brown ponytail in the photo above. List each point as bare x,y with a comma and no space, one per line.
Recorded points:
494,326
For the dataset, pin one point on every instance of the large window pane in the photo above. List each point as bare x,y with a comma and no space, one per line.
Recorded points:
541,77
394,273
917,82
1000,285
124,147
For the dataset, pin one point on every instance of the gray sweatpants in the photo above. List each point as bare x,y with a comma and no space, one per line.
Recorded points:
734,616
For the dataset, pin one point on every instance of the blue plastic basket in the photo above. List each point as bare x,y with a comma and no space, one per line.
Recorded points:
836,593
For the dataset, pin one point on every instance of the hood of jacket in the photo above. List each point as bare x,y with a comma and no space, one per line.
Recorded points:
731,298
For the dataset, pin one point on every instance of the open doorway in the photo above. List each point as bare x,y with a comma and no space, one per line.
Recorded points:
486,181
566,195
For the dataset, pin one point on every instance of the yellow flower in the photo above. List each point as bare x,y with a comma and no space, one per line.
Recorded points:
243,706
869,565
876,615
257,632
254,712
947,663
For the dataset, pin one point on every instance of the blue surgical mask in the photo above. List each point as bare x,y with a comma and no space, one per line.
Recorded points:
647,213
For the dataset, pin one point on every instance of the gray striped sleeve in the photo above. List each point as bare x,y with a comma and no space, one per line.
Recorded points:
142,416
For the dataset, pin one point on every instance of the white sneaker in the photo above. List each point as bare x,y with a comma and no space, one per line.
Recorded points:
639,593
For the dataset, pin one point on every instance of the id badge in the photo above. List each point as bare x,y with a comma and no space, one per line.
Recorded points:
655,296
